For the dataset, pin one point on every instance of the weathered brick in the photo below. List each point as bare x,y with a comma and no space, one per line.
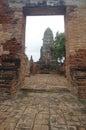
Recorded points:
12,30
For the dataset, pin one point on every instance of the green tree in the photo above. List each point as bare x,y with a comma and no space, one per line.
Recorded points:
59,47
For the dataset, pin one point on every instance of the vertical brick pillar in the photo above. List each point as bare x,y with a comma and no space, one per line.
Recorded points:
75,20
11,28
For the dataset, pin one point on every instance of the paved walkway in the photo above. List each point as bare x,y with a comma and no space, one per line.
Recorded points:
42,109
45,82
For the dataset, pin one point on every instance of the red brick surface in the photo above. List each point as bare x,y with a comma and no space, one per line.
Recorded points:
78,71
12,30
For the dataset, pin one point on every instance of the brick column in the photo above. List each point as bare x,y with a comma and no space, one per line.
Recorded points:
76,49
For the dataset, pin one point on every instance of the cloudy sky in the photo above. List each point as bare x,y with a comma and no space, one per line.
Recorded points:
35,28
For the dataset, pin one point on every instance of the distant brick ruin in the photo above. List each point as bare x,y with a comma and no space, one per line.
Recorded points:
47,60
12,41
46,49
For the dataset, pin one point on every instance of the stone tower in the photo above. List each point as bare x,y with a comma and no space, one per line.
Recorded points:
46,50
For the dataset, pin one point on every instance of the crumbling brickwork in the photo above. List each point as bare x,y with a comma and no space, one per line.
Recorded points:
12,44
78,72
76,49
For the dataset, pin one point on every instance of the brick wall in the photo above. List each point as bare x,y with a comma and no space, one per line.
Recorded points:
76,49
78,72
12,30
11,35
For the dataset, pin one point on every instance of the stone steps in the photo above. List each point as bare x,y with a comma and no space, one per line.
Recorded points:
53,90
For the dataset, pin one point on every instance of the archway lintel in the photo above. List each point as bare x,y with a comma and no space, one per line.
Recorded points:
44,10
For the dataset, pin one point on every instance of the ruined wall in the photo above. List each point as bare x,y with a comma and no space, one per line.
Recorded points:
76,49
12,59
12,44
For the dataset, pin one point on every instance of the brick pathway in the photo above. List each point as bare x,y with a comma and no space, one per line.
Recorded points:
41,108
48,82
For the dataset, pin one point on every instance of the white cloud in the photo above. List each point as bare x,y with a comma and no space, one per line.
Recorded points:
35,27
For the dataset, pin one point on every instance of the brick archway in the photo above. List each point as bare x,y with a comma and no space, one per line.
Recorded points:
12,28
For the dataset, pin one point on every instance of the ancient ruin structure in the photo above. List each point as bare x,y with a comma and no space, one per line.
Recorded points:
12,44
46,51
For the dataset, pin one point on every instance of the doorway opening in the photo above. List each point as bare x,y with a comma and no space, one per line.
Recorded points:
40,38
43,68
39,32
35,28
